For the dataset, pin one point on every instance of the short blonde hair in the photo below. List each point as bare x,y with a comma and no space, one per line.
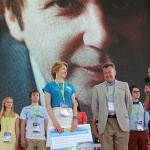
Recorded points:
56,67
3,110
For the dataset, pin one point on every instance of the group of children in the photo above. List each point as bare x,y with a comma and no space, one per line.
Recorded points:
34,120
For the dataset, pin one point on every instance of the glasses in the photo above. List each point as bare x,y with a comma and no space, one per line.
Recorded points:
136,91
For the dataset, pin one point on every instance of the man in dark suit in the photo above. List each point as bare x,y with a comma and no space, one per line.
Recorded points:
112,105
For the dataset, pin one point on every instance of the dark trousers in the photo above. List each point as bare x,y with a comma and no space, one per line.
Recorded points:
138,140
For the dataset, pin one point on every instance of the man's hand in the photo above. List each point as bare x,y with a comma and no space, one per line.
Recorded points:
147,89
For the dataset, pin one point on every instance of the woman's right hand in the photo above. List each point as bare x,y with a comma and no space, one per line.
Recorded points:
58,127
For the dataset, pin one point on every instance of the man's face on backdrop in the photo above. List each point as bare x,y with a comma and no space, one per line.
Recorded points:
86,34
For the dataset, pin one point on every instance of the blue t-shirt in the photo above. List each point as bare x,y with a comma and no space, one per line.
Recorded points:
56,95
27,114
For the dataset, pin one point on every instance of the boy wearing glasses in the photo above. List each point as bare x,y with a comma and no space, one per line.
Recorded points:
138,122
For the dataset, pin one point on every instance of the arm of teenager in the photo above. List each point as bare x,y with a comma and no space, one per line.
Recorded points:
17,130
0,121
94,129
23,142
84,118
74,120
51,113
147,99
45,125
146,120
45,121
128,99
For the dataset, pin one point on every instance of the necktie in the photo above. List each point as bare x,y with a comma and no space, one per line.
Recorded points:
135,103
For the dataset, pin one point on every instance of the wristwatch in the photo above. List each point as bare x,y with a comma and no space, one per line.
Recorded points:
75,117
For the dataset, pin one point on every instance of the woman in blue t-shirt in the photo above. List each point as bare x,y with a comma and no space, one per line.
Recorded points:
60,100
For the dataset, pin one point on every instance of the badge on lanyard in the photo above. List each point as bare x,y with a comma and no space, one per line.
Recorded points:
64,110
139,125
111,106
36,127
7,136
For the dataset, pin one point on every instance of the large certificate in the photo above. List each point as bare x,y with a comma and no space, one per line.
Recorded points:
80,139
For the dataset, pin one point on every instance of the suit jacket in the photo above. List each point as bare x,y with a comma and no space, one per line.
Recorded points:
16,76
122,105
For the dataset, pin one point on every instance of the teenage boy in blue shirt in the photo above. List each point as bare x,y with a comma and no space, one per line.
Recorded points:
33,124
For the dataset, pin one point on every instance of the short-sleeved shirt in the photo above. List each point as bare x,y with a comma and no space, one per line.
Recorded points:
56,95
82,117
27,114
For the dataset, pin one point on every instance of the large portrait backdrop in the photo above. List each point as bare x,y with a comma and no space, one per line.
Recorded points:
84,33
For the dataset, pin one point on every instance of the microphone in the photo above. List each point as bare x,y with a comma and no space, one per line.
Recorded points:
147,81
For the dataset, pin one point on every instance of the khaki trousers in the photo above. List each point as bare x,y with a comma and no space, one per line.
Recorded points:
39,144
113,138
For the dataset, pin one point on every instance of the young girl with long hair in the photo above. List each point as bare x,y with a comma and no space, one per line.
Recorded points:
9,122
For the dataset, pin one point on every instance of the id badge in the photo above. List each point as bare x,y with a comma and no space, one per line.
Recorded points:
139,125
7,136
36,127
64,110
111,106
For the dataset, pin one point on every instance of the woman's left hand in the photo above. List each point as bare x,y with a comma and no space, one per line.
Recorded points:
74,125
16,145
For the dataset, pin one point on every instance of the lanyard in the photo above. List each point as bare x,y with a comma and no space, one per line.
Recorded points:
35,112
7,122
136,112
111,93
62,90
